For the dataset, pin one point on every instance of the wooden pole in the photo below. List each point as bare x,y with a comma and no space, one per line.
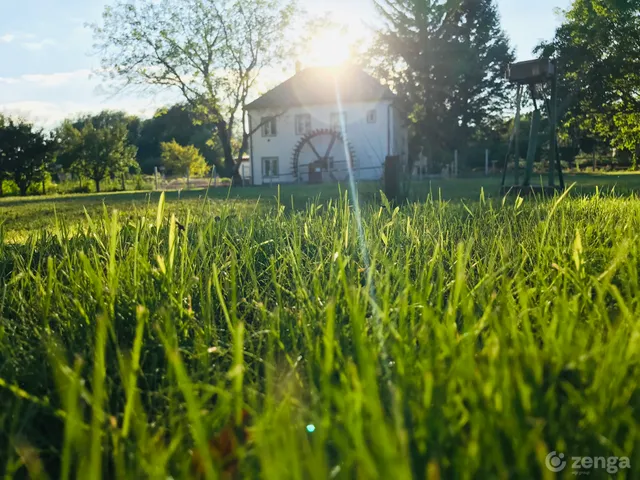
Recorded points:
553,131
455,163
517,136
486,162
533,146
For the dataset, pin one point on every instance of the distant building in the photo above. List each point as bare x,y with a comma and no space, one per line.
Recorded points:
245,168
323,122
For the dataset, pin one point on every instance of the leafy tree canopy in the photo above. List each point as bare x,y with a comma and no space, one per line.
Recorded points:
210,51
447,61
183,160
25,153
177,123
598,52
97,146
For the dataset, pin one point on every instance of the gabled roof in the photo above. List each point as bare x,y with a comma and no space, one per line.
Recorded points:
317,86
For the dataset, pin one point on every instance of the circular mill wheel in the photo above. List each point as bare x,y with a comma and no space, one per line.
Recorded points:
336,143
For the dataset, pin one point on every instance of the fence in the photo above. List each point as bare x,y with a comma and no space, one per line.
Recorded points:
334,175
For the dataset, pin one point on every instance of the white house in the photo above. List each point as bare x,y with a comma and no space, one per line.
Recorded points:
323,123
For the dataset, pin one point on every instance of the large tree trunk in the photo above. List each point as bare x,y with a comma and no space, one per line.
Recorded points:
231,167
97,182
1,191
225,140
236,179
23,189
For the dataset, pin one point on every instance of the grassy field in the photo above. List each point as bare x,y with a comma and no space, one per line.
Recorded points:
310,339
19,216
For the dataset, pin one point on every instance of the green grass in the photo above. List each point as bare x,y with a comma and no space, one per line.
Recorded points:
20,216
454,339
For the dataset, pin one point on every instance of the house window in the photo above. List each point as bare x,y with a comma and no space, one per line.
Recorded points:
269,127
303,124
372,116
338,120
269,167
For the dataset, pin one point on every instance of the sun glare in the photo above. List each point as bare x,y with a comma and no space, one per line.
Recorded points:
329,48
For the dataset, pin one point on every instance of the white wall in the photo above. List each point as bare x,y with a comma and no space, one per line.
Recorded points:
370,141
400,137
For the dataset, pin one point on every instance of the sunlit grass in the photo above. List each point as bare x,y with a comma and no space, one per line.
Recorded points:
509,329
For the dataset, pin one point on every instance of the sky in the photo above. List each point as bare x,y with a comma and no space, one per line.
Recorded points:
46,62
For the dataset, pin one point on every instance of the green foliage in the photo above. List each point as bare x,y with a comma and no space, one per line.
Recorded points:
180,160
177,123
210,52
599,64
470,340
447,61
25,154
96,147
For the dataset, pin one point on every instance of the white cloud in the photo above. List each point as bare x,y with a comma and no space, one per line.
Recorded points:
50,114
8,81
7,38
38,45
47,99
55,79
47,79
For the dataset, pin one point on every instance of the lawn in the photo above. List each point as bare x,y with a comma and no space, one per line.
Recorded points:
19,216
310,339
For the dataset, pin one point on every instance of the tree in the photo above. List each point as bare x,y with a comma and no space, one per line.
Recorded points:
96,152
447,61
4,169
598,52
185,160
177,123
106,151
70,153
79,139
24,153
211,51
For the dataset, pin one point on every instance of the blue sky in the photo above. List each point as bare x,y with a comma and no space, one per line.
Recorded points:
45,61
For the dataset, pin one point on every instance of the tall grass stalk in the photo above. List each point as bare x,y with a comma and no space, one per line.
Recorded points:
429,340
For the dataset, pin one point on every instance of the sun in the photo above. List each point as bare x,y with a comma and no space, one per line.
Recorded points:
330,47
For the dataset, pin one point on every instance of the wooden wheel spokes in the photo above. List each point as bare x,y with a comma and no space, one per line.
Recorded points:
332,136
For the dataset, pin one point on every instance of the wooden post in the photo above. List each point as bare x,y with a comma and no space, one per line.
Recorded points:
392,177
553,128
486,162
455,163
595,162
188,178
533,146
517,136
155,176
123,182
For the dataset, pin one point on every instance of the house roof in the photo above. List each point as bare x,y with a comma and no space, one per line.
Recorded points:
317,86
